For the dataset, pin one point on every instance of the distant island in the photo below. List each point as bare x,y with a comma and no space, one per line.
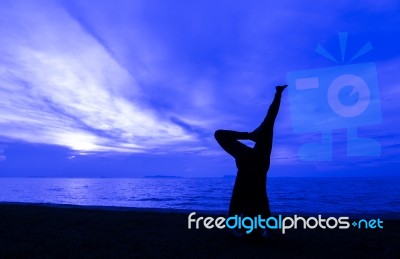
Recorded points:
162,176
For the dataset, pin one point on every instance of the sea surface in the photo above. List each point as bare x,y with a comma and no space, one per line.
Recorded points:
287,195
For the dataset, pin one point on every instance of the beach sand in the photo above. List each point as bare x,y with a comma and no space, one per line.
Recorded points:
74,231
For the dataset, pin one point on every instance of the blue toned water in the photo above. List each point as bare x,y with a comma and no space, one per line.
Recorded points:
291,195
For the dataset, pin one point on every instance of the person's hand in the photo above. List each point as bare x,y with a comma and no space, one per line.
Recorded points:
280,88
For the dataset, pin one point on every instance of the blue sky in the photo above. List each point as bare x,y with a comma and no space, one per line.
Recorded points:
133,88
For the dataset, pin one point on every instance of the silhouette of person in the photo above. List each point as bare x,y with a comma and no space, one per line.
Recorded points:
249,196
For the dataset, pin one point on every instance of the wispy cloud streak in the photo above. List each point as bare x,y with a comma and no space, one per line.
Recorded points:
60,86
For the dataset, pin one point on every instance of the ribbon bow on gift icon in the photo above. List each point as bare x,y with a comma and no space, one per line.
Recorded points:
343,43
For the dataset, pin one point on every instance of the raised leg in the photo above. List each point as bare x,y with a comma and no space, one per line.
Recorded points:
263,135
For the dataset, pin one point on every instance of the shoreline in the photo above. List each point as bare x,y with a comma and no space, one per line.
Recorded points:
381,215
43,230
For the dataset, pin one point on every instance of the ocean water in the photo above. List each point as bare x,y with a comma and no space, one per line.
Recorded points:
287,195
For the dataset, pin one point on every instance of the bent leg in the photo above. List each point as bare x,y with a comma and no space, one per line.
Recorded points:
228,140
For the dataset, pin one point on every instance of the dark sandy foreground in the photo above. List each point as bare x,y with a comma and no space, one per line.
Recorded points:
42,231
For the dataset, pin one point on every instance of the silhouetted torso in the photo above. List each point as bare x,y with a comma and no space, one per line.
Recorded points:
249,196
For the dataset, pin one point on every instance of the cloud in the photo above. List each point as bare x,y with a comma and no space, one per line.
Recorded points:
59,85
157,77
